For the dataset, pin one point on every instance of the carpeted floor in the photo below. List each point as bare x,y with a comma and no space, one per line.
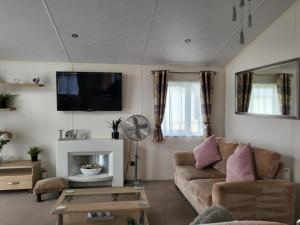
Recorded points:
168,207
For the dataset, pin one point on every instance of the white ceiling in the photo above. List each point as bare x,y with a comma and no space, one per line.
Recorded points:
128,31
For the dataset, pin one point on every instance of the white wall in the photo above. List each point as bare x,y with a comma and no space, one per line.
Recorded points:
36,121
279,42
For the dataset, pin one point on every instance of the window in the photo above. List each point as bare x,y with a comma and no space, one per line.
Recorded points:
183,113
264,99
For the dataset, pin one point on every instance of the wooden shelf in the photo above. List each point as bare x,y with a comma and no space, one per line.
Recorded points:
15,172
20,85
7,109
18,164
19,175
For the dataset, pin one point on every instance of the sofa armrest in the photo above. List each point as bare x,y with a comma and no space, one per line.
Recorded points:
268,200
184,159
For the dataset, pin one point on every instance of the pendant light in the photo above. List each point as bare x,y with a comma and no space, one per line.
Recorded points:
233,11
242,35
249,15
241,5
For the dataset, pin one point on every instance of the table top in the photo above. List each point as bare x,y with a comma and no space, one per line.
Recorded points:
101,199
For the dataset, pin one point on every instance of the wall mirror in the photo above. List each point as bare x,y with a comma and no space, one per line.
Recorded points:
271,90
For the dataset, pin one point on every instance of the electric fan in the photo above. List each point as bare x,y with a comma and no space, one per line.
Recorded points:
136,128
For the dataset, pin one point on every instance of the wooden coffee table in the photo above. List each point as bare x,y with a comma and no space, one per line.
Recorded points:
109,206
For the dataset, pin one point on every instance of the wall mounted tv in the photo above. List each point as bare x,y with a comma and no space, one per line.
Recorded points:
88,91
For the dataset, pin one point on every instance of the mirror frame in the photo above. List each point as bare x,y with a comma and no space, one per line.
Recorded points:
295,117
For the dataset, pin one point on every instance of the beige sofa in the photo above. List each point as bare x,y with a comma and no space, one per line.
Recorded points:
269,198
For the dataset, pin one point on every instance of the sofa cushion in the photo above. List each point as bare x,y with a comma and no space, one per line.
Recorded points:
206,153
266,163
226,149
191,173
202,190
240,166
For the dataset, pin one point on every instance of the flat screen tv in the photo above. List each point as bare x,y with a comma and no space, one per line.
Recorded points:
89,91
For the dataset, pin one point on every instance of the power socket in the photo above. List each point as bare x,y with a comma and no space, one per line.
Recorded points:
132,163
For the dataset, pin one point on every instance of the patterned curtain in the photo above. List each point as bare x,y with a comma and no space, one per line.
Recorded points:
206,90
284,92
160,87
244,88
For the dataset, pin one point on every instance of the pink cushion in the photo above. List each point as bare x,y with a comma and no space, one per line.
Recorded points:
206,153
240,165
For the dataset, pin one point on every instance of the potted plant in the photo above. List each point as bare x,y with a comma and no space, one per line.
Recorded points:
4,99
34,152
115,124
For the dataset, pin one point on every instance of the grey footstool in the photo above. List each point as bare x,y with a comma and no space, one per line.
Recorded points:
49,185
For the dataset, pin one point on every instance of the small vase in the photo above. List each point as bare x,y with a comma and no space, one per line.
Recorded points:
115,135
3,104
34,158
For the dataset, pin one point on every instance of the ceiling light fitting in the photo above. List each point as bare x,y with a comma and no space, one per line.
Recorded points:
234,17
75,35
187,40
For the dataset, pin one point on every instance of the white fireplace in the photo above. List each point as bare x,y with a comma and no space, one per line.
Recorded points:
108,153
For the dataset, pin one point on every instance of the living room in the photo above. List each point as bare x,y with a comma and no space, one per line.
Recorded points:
141,40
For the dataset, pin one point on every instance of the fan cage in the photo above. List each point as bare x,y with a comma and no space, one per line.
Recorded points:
130,127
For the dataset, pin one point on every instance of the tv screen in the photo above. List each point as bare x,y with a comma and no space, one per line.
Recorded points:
89,91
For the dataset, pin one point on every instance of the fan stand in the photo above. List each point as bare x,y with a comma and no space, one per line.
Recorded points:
136,183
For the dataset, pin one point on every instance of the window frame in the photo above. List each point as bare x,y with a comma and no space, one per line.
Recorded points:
190,78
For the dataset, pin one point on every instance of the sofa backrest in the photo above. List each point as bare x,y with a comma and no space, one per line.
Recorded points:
226,148
267,163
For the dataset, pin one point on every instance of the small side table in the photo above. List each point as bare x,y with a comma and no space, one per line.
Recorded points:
18,175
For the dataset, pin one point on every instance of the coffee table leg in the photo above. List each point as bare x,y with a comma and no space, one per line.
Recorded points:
142,217
60,219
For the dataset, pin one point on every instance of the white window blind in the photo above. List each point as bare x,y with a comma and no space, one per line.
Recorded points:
264,99
183,113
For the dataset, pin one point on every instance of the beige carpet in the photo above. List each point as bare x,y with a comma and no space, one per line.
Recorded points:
168,207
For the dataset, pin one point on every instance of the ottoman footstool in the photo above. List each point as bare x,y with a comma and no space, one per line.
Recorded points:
49,185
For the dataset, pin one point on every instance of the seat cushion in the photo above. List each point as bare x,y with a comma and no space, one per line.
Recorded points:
54,184
202,190
226,149
192,173
266,163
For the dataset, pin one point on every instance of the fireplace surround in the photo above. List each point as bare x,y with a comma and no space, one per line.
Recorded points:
108,153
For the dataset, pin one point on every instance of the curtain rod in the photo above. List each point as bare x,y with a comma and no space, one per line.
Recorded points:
185,72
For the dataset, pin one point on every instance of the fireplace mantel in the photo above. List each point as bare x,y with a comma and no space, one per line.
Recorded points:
110,149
